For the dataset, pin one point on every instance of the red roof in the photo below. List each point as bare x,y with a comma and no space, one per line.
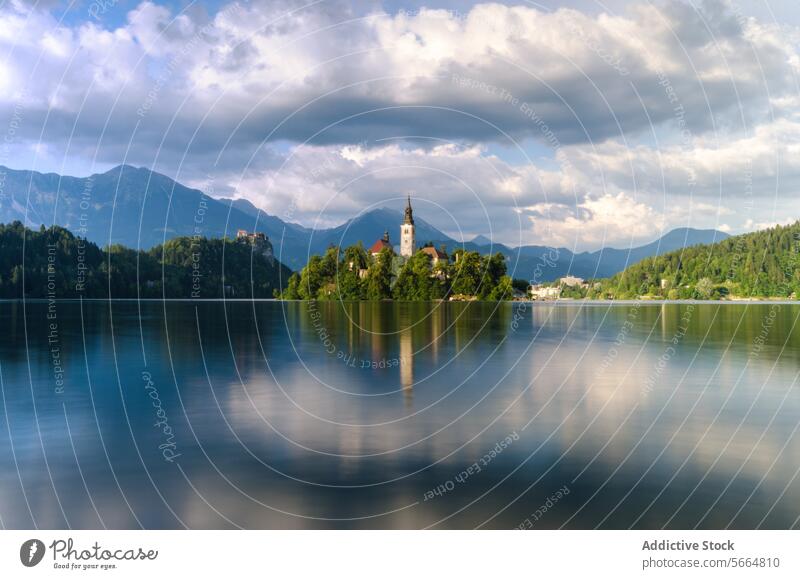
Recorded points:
379,245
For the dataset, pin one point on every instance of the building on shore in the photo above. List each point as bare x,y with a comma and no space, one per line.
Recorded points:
571,281
436,254
543,292
380,245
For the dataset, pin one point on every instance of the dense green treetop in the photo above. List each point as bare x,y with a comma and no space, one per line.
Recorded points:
762,264
55,263
355,275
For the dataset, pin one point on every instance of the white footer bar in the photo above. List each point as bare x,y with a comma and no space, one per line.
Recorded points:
382,554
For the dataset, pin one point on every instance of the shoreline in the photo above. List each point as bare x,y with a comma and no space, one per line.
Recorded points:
562,302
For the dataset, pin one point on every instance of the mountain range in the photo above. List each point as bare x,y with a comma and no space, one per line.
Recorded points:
140,208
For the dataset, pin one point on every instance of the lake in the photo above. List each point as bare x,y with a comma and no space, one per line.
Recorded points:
270,414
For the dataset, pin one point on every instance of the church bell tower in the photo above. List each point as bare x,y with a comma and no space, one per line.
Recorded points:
407,241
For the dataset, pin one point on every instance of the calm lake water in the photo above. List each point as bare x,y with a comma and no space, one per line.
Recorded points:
383,415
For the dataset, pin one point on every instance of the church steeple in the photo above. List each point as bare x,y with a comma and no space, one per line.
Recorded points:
409,217
407,237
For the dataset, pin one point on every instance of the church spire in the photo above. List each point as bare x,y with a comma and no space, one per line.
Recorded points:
409,216
407,237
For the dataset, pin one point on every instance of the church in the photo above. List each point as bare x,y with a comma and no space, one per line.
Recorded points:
407,236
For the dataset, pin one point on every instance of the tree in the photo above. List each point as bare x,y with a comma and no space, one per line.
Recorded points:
494,268
442,273
467,274
379,276
292,291
704,288
183,267
520,285
759,264
311,279
350,284
416,281
504,290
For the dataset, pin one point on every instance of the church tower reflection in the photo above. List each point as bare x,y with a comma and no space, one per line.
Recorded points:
437,326
407,365
377,339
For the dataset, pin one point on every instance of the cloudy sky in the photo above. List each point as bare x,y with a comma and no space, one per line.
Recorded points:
577,123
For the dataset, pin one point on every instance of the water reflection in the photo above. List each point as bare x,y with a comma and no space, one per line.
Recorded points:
406,362
294,415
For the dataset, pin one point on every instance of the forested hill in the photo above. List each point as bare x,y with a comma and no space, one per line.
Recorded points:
763,264
53,263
